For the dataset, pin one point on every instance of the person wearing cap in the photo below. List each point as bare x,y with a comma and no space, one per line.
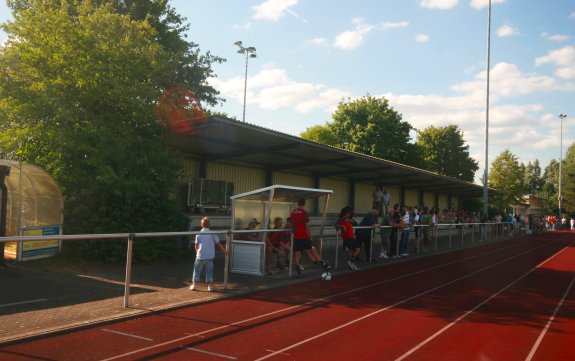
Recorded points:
302,238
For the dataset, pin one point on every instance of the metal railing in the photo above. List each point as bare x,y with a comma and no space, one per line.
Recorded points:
490,229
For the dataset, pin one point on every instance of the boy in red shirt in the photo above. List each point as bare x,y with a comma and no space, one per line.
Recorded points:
302,238
350,245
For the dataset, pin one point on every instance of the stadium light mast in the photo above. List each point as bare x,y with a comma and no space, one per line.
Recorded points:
560,198
250,53
485,183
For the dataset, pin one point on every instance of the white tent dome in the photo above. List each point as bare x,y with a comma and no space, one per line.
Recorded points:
34,198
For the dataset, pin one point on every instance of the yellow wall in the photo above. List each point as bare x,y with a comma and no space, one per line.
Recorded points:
340,196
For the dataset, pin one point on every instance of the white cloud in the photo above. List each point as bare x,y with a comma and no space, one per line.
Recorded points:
244,26
556,37
563,59
572,15
480,4
317,41
438,4
352,39
397,25
273,89
506,81
422,38
273,9
507,30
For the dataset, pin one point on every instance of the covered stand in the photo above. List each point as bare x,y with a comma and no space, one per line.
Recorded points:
264,204
33,206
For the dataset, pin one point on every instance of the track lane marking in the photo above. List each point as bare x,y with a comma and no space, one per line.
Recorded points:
549,322
287,309
399,303
209,353
24,302
457,320
127,334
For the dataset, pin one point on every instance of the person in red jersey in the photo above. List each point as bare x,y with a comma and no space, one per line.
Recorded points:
350,245
302,238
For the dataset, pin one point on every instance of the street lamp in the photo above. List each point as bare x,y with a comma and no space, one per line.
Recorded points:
561,116
486,173
250,53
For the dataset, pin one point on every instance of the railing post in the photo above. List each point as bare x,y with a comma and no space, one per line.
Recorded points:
128,270
450,228
227,259
336,263
371,245
291,256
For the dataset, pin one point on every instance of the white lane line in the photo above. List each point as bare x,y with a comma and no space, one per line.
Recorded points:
549,322
457,320
127,334
209,353
24,302
287,309
394,305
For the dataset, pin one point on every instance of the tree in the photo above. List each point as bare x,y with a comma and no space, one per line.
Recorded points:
551,185
506,175
370,126
444,151
567,184
79,86
321,134
533,181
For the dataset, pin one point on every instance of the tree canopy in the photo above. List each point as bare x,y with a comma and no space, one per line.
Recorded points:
507,175
368,125
445,152
79,86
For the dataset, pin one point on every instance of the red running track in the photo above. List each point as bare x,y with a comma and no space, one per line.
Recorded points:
512,300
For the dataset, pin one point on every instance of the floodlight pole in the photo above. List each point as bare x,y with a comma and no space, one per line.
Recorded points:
250,52
560,198
485,174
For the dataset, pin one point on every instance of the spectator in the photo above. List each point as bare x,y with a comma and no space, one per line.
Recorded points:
378,198
426,224
363,235
416,222
280,245
205,246
394,235
385,234
351,246
405,223
386,200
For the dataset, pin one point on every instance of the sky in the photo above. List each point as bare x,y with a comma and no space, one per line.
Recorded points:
427,57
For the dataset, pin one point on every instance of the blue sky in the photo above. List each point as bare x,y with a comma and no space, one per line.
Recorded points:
428,57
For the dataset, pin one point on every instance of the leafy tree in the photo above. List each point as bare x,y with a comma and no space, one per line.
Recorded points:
370,126
444,151
507,175
321,134
79,86
567,184
533,180
551,185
